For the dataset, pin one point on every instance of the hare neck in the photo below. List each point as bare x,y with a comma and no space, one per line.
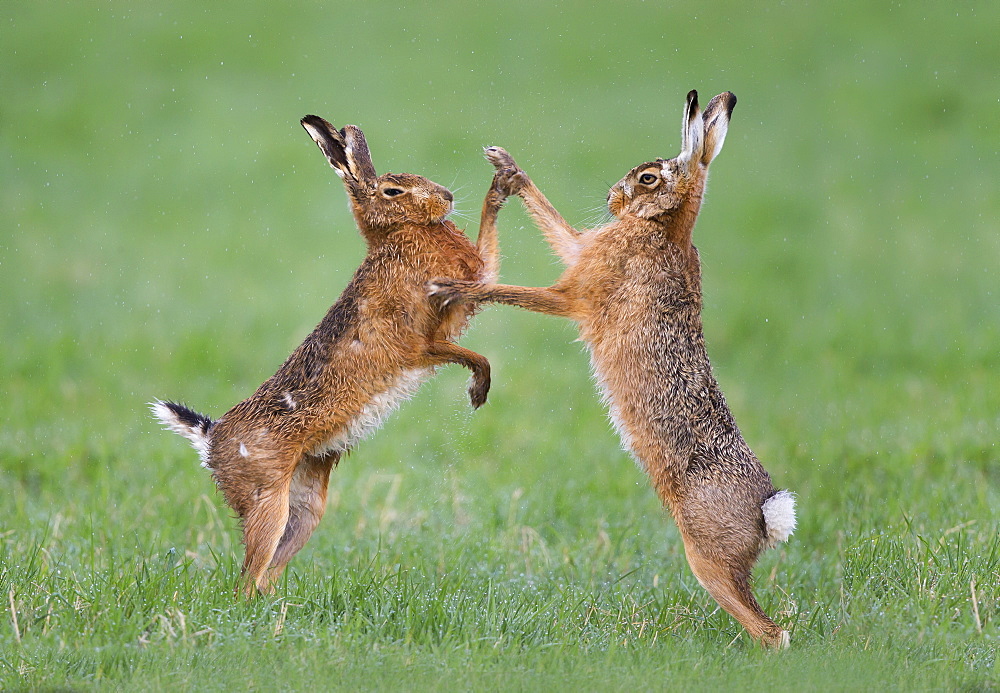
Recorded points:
677,224
674,225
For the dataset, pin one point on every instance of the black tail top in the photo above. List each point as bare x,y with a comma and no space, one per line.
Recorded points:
189,417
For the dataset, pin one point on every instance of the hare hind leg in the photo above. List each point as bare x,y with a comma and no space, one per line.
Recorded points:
723,536
263,526
717,507
306,506
727,579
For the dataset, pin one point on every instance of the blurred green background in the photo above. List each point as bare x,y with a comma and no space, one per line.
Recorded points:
169,230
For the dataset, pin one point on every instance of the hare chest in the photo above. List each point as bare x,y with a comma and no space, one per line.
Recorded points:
642,346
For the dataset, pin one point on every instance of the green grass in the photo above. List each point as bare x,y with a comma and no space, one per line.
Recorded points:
169,231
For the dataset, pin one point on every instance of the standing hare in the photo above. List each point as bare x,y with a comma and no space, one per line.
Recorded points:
271,455
634,288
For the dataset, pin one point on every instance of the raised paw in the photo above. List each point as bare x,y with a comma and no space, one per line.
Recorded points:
499,157
446,291
509,179
478,389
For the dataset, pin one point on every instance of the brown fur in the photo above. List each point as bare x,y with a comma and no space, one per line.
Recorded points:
634,289
271,455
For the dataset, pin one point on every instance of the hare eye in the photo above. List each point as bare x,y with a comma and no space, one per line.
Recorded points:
647,178
392,192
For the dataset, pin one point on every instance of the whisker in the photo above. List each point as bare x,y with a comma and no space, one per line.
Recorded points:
596,218
464,216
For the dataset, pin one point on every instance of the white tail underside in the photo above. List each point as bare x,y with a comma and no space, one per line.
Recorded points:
779,518
195,434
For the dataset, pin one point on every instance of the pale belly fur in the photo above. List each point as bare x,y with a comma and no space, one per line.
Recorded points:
614,412
375,412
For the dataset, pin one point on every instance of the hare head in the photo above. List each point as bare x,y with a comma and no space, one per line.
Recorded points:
380,203
656,188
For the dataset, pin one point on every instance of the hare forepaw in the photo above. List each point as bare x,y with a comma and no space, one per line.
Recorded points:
509,179
499,157
443,292
478,389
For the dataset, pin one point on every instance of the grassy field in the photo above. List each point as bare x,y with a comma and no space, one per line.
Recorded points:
168,230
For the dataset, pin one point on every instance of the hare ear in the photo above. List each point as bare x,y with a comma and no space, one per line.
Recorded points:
716,117
692,132
358,156
346,149
330,141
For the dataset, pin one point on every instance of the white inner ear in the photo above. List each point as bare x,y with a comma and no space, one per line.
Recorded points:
313,132
351,163
697,134
319,137
718,129
719,141
693,140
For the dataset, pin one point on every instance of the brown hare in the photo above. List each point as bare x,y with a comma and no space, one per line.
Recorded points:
634,288
271,455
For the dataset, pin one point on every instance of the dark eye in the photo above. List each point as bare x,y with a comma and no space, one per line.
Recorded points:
392,192
647,178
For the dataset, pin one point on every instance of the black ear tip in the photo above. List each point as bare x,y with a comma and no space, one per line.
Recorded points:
732,103
317,123
692,103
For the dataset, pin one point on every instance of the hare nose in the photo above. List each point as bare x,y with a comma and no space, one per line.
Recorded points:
448,196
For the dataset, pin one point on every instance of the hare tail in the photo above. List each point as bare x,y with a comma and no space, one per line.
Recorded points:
779,518
186,422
